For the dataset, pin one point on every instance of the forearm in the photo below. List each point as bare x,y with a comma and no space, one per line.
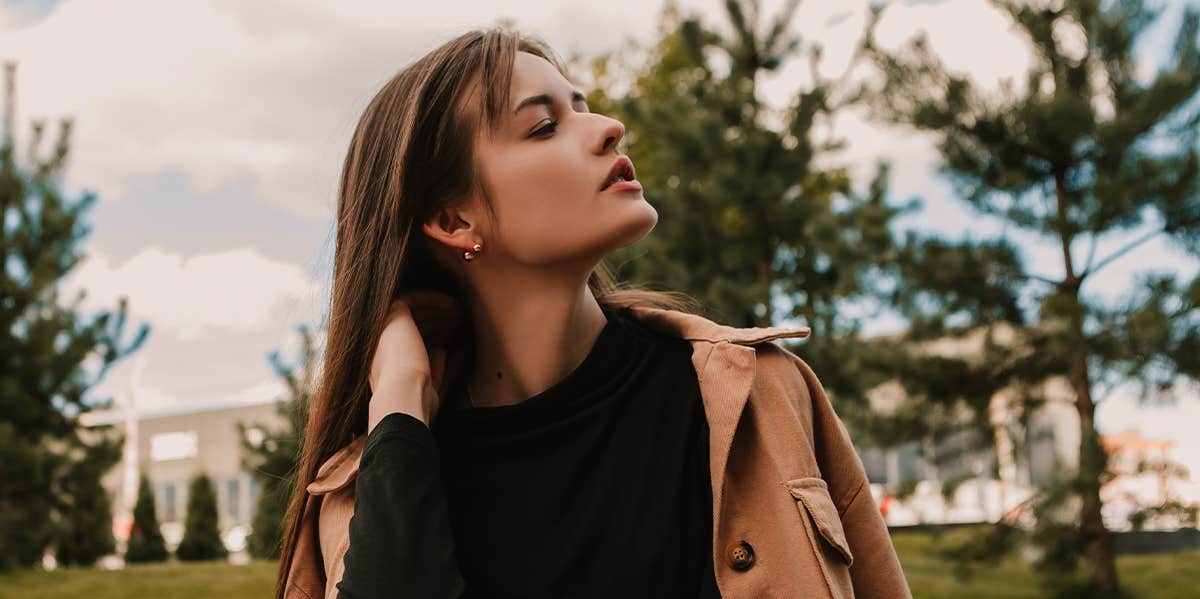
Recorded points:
408,391
401,541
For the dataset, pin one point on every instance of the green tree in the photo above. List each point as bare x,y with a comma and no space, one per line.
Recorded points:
751,220
50,355
1089,150
747,218
271,453
145,537
201,534
84,531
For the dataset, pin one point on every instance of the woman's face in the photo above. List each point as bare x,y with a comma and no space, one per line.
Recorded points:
544,169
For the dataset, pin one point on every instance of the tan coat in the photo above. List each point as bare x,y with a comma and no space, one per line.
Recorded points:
793,516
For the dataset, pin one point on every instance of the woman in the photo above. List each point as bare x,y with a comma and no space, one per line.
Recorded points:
498,418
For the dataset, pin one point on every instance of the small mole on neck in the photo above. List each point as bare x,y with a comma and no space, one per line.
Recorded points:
499,376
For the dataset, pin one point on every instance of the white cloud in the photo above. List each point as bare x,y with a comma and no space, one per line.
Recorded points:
152,400
259,393
156,86
234,290
214,319
989,48
218,90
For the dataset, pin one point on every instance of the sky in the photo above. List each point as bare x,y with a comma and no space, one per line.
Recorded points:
212,132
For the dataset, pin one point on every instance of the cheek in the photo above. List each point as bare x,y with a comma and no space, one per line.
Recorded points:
549,207
548,181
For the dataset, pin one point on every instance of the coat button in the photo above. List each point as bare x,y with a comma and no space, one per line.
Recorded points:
739,555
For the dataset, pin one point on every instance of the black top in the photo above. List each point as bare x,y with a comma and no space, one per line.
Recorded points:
596,487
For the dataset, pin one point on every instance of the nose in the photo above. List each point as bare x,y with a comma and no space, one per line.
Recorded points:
611,134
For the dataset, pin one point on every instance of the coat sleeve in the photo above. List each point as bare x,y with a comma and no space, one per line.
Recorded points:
401,541
876,569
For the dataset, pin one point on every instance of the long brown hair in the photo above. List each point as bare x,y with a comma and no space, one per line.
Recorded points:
410,156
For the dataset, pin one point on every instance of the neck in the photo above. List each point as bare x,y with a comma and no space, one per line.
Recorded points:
530,333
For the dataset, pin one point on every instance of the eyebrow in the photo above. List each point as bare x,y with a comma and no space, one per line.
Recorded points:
546,100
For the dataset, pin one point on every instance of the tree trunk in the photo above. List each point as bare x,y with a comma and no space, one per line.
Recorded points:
1092,460
1097,543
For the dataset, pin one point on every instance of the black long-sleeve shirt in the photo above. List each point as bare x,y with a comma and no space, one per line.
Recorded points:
596,487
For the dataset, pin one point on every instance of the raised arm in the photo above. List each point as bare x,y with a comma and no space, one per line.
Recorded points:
401,542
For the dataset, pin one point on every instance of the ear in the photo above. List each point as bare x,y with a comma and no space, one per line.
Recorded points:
454,227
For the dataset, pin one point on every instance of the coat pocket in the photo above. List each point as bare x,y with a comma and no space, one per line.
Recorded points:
812,498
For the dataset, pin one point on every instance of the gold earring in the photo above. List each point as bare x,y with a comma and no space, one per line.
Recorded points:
469,256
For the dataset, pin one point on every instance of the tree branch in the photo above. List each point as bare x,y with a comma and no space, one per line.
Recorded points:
1027,277
1091,254
1122,251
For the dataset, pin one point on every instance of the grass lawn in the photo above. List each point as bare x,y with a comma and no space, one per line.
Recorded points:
167,581
1161,576
1173,576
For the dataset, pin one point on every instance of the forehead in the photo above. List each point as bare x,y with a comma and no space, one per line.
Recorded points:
534,74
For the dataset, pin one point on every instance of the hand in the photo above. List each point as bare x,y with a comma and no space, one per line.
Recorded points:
406,371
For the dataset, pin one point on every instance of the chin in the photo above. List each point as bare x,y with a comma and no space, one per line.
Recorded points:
642,219
651,214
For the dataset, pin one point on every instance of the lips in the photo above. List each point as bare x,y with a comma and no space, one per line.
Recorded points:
621,169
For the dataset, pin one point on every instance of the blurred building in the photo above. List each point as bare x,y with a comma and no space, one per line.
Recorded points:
1147,474
914,485
170,450
944,482
948,482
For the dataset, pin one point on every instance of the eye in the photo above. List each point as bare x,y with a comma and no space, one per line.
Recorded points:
546,130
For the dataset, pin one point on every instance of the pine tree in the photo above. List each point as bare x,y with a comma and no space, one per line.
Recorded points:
751,221
1090,148
145,538
44,345
84,529
266,534
748,221
201,533
273,457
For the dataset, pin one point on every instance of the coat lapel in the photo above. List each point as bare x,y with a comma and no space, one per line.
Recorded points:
724,358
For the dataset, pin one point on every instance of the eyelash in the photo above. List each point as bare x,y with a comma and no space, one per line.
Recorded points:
552,126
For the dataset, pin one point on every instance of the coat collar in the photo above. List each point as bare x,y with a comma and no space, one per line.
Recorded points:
724,359
694,327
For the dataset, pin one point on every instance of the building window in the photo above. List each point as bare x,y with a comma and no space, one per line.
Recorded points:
253,487
234,498
169,503
173,446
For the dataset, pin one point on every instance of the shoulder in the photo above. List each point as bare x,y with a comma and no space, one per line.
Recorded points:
782,374
334,487
776,363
